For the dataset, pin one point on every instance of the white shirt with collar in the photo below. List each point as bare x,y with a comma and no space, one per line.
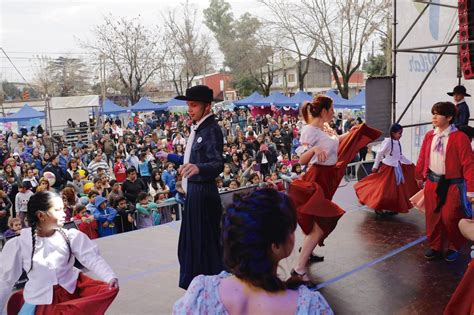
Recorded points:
383,155
438,160
460,101
50,264
189,145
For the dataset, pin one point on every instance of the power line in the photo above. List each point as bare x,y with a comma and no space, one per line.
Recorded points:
21,75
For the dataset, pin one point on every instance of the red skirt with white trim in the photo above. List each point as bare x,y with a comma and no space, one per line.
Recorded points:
313,193
91,297
379,191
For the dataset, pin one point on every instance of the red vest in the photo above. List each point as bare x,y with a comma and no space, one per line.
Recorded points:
459,158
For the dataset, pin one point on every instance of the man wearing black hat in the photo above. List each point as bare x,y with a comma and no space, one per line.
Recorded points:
199,248
462,115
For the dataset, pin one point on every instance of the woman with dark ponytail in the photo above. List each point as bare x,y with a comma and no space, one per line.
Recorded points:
47,252
391,185
327,154
257,232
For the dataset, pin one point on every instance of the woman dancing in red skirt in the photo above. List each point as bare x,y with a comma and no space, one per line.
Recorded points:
327,155
391,186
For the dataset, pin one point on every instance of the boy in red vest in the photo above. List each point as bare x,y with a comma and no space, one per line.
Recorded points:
446,166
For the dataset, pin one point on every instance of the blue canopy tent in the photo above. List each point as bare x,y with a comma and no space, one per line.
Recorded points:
249,100
356,102
299,98
174,102
145,105
339,102
25,113
110,108
276,99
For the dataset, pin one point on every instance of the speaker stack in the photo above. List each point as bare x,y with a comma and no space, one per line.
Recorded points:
466,33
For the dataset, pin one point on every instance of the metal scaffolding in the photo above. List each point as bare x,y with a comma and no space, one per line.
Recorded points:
396,49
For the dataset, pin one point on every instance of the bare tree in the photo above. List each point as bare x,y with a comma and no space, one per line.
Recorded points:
284,31
135,52
343,27
190,48
43,78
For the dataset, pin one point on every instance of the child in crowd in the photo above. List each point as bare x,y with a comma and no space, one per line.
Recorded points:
286,174
120,169
220,184
91,205
21,200
105,217
45,244
234,184
144,209
144,168
78,183
275,182
169,177
391,187
254,179
43,185
115,193
87,224
15,227
124,221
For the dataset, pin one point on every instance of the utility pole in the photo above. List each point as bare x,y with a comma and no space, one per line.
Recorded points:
2,97
102,90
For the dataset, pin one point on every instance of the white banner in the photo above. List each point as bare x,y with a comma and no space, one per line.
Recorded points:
436,27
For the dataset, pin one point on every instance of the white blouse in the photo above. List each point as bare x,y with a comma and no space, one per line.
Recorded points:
50,264
384,154
438,160
313,136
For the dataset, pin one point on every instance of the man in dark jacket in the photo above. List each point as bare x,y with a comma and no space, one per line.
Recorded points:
199,249
462,115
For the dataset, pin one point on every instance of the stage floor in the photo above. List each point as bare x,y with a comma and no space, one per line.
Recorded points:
372,266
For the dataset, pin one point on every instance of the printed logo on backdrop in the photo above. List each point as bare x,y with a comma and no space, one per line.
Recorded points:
424,62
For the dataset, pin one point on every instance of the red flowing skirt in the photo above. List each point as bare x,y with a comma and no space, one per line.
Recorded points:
379,191
92,297
313,193
462,300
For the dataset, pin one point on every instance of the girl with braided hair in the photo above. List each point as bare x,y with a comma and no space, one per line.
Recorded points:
46,252
391,184
327,155
258,231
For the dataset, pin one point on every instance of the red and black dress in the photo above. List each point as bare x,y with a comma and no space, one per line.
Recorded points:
313,193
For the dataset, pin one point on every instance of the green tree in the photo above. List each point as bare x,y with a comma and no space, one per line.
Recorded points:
246,86
10,90
70,76
245,53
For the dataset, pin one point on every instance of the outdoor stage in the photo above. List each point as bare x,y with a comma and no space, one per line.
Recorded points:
372,266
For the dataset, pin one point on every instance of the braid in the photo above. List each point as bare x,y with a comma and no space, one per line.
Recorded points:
68,242
400,145
33,244
391,146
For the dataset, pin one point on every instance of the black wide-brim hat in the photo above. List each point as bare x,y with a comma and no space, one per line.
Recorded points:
460,89
199,93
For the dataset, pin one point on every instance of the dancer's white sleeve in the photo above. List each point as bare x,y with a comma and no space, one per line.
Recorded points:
11,268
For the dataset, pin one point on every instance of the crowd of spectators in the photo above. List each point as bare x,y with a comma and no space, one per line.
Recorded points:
113,182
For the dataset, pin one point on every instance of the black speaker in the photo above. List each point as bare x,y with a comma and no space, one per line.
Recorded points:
466,33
